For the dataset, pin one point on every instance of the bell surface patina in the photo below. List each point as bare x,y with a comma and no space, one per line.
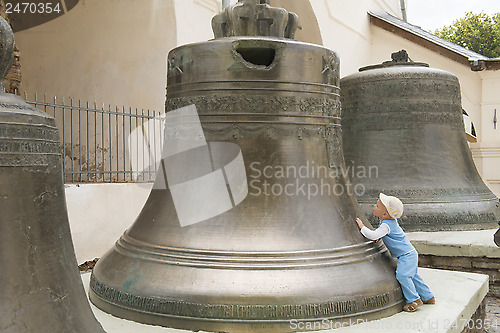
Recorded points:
284,257
496,237
403,135
41,287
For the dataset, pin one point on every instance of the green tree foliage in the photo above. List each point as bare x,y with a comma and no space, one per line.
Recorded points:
476,32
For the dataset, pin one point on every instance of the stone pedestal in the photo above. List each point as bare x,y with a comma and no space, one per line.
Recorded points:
467,251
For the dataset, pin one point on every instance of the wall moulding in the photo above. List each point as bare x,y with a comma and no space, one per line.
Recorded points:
482,152
212,5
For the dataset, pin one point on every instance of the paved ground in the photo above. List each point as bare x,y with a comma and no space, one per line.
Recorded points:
492,315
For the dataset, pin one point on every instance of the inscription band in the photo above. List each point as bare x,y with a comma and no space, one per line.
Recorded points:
242,312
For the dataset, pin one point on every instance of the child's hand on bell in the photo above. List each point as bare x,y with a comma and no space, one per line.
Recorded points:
360,223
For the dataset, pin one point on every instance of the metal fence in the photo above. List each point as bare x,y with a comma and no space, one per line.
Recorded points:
104,144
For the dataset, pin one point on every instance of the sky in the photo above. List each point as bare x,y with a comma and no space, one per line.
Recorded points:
434,14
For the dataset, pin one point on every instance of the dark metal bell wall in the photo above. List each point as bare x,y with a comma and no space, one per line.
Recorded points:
41,286
407,121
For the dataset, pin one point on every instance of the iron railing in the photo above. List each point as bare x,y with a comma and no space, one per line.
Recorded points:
104,144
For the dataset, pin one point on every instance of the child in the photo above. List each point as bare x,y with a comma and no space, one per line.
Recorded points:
389,209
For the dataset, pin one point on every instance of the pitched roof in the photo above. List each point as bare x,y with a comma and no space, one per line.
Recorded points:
476,61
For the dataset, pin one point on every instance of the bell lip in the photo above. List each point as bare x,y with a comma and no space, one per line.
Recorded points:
217,325
192,313
414,220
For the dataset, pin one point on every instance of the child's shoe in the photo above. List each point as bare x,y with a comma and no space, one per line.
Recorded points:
431,300
410,307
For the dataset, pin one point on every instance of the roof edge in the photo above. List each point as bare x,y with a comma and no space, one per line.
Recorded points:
413,33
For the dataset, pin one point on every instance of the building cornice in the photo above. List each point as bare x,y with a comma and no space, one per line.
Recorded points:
481,152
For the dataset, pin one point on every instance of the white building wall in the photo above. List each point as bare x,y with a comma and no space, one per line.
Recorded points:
100,213
490,100
486,151
110,51
193,19
345,28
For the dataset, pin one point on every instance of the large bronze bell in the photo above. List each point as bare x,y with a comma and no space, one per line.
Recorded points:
41,287
280,257
403,121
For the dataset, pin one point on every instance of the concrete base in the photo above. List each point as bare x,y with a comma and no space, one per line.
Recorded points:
468,251
476,243
458,296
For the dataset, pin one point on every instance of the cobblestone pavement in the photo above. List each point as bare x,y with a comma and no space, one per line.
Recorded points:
492,314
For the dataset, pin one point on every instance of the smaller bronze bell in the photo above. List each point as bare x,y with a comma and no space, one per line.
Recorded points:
41,287
404,120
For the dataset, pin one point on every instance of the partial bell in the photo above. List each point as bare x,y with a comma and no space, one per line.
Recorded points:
41,287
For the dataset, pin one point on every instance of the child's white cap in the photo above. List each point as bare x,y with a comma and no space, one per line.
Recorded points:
393,205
